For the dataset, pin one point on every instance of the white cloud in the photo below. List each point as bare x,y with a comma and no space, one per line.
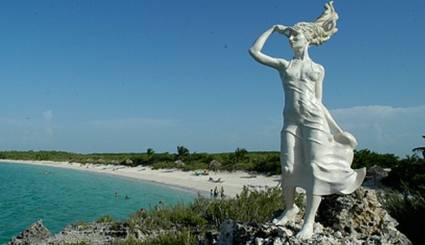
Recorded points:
384,128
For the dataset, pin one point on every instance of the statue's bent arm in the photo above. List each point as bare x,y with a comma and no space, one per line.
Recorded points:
256,53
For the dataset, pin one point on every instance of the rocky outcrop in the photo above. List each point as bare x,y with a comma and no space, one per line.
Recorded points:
357,218
360,214
34,234
88,233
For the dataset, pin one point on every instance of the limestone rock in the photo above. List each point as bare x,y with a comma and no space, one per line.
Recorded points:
360,214
34,234
357,218
90,233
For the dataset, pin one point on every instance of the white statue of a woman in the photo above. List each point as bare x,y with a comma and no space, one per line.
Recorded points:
316,154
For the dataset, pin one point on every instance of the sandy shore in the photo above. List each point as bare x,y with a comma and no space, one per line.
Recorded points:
232,182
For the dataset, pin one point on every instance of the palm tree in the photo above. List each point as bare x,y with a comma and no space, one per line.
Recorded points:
150,152
182,152
420,149
240,154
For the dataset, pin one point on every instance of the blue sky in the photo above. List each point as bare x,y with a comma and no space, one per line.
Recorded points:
123,76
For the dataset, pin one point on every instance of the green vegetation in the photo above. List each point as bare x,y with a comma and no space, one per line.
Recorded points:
408,176
80,225
241,159
204,213
409,211
182,224
367,158
105,219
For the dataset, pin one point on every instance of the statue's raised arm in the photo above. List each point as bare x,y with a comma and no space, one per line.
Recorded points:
258,55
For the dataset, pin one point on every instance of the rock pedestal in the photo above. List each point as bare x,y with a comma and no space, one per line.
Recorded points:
357,218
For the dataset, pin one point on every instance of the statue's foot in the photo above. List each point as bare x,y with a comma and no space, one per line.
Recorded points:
305,233
286,216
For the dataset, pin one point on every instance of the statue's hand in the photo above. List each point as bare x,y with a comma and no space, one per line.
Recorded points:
279,28
346,138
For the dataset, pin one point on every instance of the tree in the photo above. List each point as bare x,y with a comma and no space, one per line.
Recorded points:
240,154
182,152
420,149
150,152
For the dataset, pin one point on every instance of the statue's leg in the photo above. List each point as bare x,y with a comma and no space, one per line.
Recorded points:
291,210
287,162
312,153
289,149
313,202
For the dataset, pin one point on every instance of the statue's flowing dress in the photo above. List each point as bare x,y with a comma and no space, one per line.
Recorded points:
322,162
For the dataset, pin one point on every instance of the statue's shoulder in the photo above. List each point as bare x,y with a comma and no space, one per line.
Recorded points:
317,67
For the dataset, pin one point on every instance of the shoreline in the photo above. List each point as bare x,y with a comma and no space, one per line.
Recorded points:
232,182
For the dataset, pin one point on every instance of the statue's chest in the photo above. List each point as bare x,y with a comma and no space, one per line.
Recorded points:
301,71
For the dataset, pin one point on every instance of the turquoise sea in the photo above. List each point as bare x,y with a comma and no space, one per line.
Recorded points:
61,196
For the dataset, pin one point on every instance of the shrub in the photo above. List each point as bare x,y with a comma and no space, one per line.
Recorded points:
159,165
367,158
408,176
269,164
167,217
105,219
249,206
409,211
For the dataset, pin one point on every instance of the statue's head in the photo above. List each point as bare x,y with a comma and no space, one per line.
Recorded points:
317,32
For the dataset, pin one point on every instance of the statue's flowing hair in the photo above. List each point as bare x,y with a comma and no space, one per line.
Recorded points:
322,28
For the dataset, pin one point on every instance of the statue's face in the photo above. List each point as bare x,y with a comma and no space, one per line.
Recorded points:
297,39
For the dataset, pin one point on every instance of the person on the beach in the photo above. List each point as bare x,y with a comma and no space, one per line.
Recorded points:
215,192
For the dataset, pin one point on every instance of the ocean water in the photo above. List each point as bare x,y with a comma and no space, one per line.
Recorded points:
61,196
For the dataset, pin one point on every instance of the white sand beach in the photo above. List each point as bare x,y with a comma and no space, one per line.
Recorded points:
232,182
